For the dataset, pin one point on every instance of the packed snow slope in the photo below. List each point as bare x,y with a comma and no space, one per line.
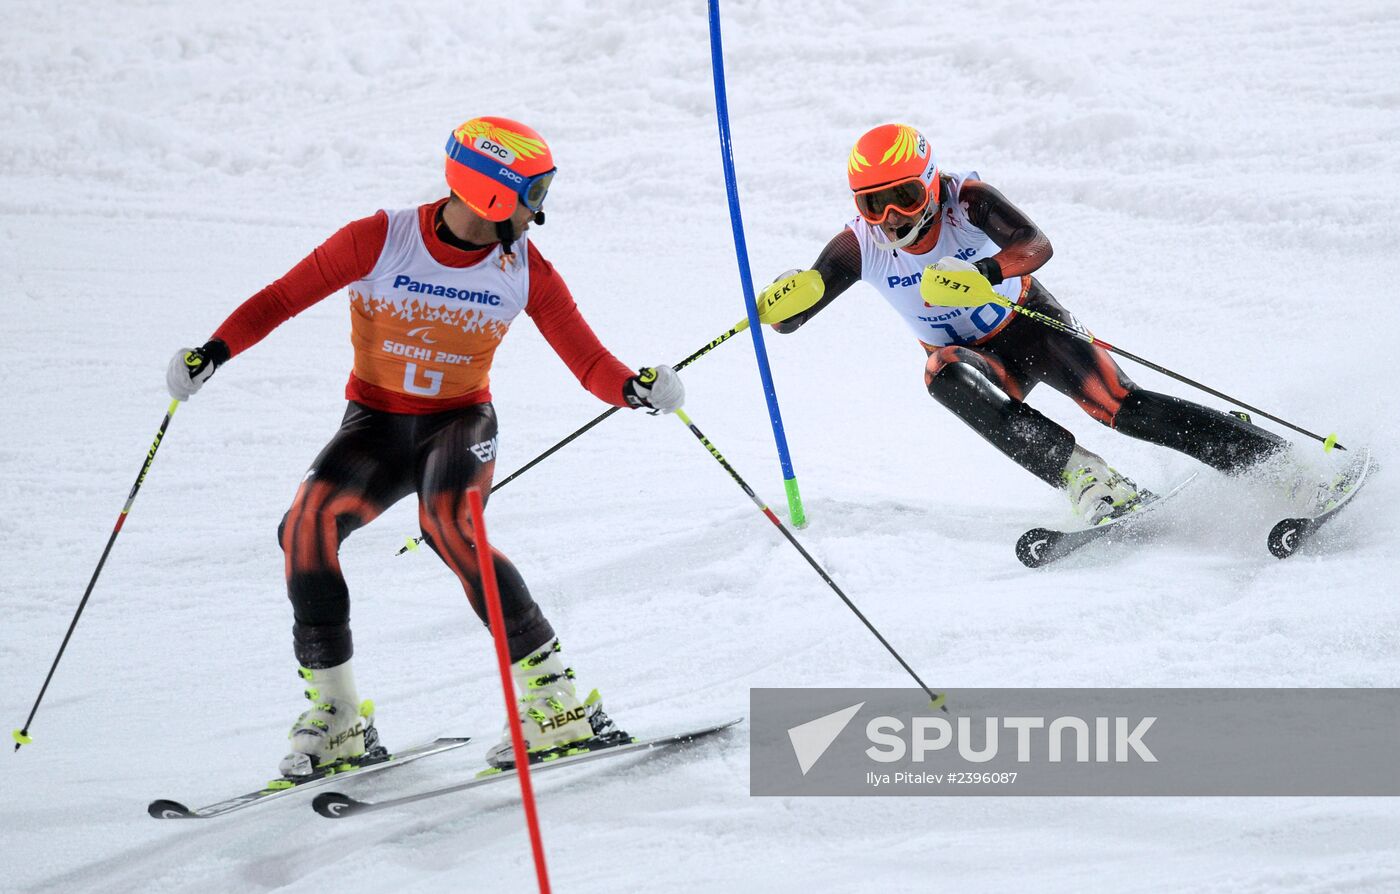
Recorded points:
1219,182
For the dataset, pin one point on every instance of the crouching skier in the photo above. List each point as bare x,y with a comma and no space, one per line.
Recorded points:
432,291
984,361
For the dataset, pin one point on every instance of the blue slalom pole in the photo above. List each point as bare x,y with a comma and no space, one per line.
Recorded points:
794,498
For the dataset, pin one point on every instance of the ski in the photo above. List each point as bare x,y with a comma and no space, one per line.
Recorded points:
335,805
1289,535
277,788
1041,546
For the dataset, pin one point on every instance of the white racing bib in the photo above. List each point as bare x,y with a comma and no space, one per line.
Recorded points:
896,275
423,329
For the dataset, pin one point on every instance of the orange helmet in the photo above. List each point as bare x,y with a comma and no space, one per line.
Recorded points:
493,163
892,167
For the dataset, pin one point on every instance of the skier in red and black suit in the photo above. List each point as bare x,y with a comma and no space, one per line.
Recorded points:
984,361
432,293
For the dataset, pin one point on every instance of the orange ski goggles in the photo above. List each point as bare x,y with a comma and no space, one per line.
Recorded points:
908,197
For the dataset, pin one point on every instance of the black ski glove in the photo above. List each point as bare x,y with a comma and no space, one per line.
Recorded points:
990,269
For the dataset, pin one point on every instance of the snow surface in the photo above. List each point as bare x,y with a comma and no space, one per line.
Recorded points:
1220,183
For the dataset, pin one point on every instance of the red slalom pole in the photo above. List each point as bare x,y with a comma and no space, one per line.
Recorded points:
492,594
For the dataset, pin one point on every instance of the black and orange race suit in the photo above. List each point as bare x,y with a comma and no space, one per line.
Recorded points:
393,443
985,384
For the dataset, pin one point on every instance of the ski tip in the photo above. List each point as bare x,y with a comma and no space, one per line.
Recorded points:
1287,536
334,805
715,728
709,730
1034,548
166,809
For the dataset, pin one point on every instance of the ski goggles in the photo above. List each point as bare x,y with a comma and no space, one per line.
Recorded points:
908,197
531,190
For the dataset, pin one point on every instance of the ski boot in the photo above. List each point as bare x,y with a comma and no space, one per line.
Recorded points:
1096,492
1324,493
337,729
553,719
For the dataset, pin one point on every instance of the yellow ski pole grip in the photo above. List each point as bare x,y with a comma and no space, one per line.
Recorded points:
790,295
957,288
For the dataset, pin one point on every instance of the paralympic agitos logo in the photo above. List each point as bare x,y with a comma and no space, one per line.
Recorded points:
428,288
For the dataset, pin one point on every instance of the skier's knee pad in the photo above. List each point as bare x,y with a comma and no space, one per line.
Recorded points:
960,384
985,365
938,361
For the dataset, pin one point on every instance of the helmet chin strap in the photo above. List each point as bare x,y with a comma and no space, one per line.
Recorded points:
911,233
505,233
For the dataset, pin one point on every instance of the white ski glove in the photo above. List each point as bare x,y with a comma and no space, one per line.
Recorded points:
190,368
951,263
659,389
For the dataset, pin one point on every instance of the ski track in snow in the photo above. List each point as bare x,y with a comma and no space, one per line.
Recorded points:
1218,181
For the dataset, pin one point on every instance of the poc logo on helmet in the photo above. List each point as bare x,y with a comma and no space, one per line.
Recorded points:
511,175
493,149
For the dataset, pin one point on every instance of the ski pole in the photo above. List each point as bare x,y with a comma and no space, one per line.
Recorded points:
21,735
740,327
968,288
778,302
938,699
412,542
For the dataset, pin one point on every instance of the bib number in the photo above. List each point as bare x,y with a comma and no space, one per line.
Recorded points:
411,385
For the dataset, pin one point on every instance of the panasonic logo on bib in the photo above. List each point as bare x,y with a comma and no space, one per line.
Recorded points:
428,288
